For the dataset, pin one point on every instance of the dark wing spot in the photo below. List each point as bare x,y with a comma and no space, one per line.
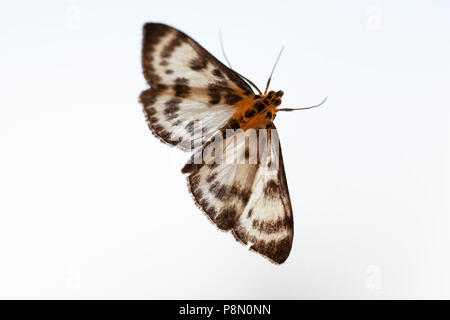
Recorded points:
198,63
169,48
217,73
244,195
211,177
214,93
250,212
171,108
154,78
272,226
216,89
190,126
160,87
171,116
150,111
219,191
212,165
209,209
165,135
289,222
199,193
277,250
169,71
153,32
234,191
182,89
172,105
225,220
194,181
148,97
153,119
191,168
271,189
232,98
240,235
214,98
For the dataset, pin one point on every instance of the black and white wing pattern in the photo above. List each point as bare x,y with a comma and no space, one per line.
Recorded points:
248,198
188,86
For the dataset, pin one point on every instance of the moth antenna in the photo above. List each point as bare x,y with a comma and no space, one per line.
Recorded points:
229,64
249,82
273,69
305,108
223,50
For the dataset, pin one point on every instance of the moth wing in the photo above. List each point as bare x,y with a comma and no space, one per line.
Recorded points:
249,199
188,86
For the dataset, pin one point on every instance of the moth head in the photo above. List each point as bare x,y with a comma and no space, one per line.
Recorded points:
274,98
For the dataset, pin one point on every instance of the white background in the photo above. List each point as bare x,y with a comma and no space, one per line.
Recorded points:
93,206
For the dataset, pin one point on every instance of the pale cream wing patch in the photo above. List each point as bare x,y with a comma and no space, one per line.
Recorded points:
251,199
184,123
188,85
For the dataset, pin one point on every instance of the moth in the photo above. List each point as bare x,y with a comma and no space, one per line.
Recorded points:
190,88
